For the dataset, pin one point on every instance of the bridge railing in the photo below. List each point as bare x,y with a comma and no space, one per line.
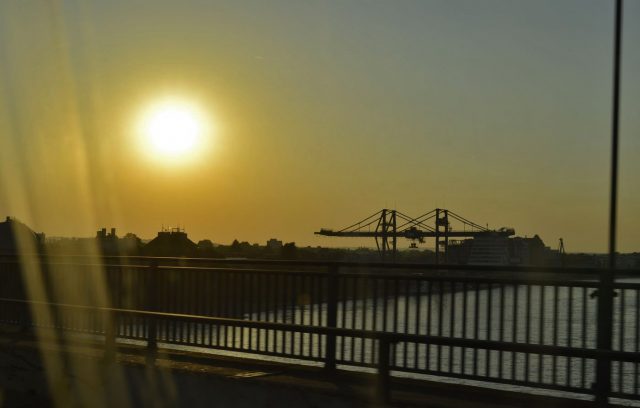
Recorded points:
534,327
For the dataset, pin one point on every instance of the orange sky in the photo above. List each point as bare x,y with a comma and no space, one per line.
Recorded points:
323,113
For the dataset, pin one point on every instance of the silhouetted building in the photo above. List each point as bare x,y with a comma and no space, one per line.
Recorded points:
171,242
500,250
108,242
489,250
529,251
16,236
274,244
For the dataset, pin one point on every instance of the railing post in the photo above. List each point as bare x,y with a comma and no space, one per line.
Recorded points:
152,299
384,383
605,289
332,317
110,336
602,386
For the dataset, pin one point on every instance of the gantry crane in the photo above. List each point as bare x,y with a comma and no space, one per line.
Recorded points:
386,226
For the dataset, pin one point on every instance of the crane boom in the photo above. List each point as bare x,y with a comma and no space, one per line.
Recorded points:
386,230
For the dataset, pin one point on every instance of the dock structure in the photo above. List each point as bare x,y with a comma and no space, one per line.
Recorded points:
386,226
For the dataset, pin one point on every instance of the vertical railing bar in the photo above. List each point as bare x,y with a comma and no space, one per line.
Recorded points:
215,305
315,315
365,295
285,312
385,295
312,300
342,293
237,305
276,309
514,328
621,335
219,305
183,299
278,316
428,329
371,285
407,298
210,304
354,312
278,312
395,306
501,328
555,334
332,317
348,318
487,362
304,313
223,290
199,337
416,330
440,321
324,294
302,306
294,311
197,304
463,357
261,306
311,320
584,337
395,318
384,384
258,291
528,323
541,333
268,314
248,295
375,304
568,373
452,315
239,331
181,307
230,331
637,340
195,292
354,316
188,302
476,326
152,339
251,307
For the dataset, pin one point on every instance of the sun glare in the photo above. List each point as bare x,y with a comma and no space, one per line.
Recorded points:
172,131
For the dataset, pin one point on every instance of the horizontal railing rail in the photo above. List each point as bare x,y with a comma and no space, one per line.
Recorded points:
365,334
147,260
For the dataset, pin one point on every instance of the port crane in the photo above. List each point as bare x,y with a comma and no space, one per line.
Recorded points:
386,226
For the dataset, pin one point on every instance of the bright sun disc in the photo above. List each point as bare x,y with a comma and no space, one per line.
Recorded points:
172,131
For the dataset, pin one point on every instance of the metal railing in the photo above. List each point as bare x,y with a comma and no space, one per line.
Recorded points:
534,327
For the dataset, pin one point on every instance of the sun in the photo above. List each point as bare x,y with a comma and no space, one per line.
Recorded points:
173,131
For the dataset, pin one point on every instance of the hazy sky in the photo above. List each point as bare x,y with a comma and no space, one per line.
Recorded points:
322,112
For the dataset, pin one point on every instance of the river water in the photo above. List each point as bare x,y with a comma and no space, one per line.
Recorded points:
532,314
